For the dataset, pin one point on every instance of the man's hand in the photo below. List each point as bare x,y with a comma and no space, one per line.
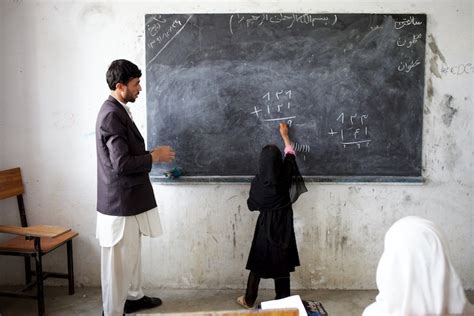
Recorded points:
162,154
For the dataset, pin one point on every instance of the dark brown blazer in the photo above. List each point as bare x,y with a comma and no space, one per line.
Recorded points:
123,164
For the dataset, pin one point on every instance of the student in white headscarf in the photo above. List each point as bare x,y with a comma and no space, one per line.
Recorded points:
415,275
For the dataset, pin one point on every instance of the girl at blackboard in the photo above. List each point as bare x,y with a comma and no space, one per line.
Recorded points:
273,253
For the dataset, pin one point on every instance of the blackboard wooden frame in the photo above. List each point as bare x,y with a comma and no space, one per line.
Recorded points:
308,179
367,69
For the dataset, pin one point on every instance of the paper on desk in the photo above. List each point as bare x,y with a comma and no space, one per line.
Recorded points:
287,302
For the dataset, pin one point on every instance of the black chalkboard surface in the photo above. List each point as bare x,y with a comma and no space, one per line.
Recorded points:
349,85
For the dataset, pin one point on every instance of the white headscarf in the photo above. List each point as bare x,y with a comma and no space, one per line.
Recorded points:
415,275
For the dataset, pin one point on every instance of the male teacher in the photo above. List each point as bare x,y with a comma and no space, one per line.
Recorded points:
125,201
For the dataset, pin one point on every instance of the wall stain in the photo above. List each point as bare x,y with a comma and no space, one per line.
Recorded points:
434,48
335,237
449,110
354,189
407,198
343,242
434,66
430,93
96,15
453,153
234,239
436,54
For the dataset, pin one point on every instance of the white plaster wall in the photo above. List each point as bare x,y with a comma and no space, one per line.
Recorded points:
54,55
2,70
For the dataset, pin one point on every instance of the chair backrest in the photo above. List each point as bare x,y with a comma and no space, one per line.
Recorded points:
10,183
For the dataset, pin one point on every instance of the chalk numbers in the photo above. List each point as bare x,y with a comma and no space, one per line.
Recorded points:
353,130
275,106
278,106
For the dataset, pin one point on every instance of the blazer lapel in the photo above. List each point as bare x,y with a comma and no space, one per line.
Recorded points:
135,129
130,121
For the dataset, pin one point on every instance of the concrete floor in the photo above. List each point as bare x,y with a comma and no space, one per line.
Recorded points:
87,301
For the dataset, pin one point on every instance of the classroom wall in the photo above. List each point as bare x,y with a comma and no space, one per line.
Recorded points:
2,99
54,55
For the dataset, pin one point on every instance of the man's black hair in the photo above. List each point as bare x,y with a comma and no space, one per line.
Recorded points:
121,71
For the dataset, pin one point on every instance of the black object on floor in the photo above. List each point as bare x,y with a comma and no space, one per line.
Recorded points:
144,303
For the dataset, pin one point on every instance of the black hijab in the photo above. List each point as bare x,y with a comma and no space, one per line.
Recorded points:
270,165
278,183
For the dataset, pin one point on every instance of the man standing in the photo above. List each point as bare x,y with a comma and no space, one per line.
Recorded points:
125,201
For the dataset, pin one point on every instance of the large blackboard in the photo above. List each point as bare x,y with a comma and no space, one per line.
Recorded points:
350,85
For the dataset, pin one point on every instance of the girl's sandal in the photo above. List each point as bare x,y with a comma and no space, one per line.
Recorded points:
241,302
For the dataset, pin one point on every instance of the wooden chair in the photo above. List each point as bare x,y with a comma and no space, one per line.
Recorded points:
33,242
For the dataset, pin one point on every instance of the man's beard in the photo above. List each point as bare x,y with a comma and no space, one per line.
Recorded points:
130,98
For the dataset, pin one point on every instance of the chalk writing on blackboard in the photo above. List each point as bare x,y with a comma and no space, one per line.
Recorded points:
154,27
301,148
410,42
162,32
289,20
274,106
353,130
407,22
350,85
408,66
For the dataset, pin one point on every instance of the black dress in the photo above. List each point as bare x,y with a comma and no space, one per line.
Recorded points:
274,253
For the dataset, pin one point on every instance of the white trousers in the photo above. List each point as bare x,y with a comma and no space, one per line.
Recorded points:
121,272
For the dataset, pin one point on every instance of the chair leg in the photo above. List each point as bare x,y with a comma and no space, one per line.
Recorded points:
28,270
39,278
70,267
